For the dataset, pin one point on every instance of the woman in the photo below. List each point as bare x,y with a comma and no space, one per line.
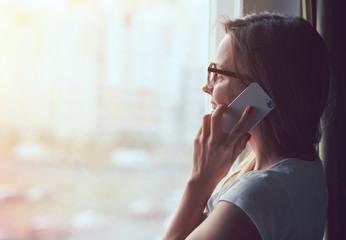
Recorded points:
281,193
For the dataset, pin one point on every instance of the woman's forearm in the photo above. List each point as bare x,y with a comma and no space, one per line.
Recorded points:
214,154
190,211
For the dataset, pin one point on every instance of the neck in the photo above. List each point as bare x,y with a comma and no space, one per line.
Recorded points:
265,157
266,153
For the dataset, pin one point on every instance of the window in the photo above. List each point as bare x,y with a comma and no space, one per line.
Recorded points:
99,104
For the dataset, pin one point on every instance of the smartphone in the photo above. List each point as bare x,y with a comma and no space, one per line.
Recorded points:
253,95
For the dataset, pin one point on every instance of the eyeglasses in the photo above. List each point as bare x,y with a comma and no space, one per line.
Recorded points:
213,72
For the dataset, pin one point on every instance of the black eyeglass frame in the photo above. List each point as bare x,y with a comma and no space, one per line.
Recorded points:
212,68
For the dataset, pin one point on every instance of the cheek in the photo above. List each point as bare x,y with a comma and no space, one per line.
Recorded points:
223,94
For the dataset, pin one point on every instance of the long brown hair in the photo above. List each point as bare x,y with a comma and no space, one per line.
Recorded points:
289,59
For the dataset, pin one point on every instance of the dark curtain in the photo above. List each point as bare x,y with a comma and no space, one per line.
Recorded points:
327,17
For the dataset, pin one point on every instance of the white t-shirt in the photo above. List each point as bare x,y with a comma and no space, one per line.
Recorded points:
286,201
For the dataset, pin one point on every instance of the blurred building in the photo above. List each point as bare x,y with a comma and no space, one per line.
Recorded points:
100,69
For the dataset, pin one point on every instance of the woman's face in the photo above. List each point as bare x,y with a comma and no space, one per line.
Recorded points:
226,89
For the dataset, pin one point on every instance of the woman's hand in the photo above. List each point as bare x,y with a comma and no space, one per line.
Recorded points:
214,150
214,154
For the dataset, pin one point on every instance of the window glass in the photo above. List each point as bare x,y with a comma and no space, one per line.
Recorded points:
100,101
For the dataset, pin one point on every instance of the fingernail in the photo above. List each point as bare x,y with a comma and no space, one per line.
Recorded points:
249,109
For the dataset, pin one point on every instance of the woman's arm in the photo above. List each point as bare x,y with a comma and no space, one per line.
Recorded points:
227,221
190,211
214,154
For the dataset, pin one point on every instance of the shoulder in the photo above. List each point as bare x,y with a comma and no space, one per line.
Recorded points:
281,180
280,192
238,211
263,197
260,185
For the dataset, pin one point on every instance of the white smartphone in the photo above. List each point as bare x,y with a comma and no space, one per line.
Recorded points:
253,95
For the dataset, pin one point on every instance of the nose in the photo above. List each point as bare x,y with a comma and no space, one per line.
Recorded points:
207,90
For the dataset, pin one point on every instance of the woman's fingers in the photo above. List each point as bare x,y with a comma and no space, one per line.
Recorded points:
216,121
240,128
199,133
205,128
212,126
240,146
215,150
